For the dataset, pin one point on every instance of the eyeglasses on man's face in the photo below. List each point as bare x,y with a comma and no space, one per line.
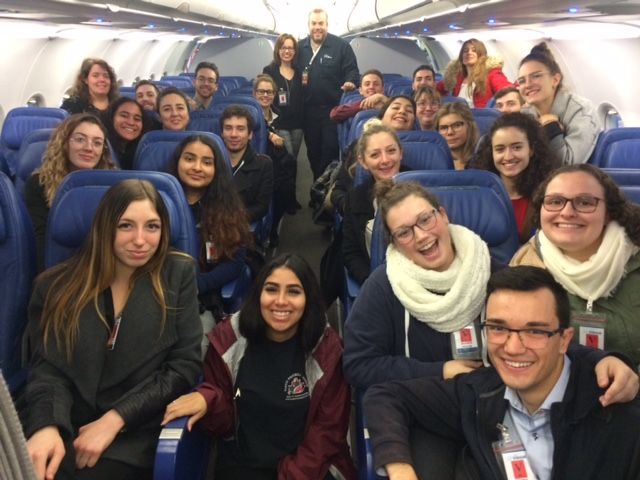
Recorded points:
425,222
533,338
581,203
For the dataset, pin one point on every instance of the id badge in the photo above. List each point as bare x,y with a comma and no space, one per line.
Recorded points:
305,77
512,456
465,343
283,98
591,329
211,252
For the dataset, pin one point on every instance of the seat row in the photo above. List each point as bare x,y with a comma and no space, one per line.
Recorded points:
227,85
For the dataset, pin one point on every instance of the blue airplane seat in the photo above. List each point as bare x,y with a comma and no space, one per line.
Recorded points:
182,454
245,90
476,199
396,88
203,121
351,96
617,148
260,132
156,148
127,91
628,179
357,124
79,195
30,156
484,118
18,265
392,76
429,136
451,99
178,81
364,448
18,123
161,84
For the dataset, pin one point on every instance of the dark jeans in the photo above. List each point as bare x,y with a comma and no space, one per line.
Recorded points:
321,137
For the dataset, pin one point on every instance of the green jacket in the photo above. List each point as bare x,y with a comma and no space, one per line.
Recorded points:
622,309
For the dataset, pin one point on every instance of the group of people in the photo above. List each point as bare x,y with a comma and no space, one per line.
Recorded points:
116,331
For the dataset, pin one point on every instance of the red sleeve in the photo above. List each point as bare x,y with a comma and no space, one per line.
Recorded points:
441,89
340,113
218,392
497,80
326,435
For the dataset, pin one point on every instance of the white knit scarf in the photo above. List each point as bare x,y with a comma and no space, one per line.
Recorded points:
596,277
448,300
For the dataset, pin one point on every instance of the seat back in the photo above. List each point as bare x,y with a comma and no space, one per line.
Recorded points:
475,199
156,149
260,133
628,179
129,92
203,121
30,156
617,148
484,118
178,81
20,122
18,266
78,197
357,125
399,87
451,99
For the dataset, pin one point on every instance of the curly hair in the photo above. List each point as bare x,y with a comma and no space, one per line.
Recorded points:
81,89
278,45
543,159
464,112
55,163
626,213
478,73
224,221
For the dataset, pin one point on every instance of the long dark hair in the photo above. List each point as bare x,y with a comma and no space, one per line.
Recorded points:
313,321
124,148
224,219
626,213
543,161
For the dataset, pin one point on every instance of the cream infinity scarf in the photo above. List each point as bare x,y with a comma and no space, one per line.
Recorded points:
447,300
596,277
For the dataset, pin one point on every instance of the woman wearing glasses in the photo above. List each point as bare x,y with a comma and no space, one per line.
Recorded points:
427,105
518,151
455,123
78,143
589,239
288,96
570,121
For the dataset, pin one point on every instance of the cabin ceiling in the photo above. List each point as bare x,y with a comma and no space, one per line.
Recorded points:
346,17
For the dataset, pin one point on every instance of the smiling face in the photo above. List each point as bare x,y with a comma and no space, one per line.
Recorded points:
382,156
287,51
98,81
264,93
85,146
370,84
206,83
426,110
469,55
433,249
536,83
509,103
454,130
400,115
127,121
147,96
511,151
138,235
423,78
196,168
236,134
282,304
531,372
174,113
318,26
577,234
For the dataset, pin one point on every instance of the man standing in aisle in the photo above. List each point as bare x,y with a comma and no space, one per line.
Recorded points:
329,67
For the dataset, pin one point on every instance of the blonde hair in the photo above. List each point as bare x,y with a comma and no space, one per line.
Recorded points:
55,164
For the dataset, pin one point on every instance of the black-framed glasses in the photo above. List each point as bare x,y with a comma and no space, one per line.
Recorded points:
455,126
425,222
287,49
264,92
533,338
581,203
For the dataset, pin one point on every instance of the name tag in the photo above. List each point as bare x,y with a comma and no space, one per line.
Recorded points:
465,343
283,98
591,329
211,252
517,466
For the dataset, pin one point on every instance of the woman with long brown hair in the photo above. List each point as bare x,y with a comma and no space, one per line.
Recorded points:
94,89
115,336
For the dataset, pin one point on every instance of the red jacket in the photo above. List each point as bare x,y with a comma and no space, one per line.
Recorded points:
454,77
324,447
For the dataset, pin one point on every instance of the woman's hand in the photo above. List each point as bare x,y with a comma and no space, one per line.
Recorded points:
192,405
277,140
46,450
623,382
94,438
456,367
